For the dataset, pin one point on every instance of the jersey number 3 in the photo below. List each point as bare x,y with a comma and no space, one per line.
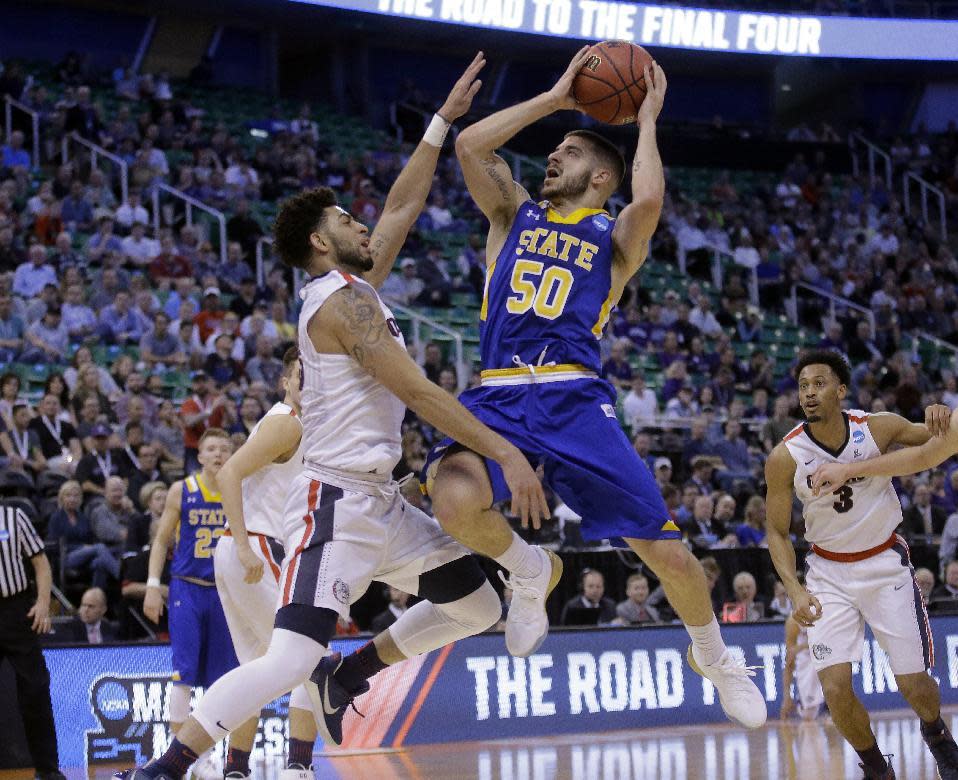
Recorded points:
547,298
844,503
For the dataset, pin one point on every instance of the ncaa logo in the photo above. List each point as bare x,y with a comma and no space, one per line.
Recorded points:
341,592
600,222
820,651
113,701
858,437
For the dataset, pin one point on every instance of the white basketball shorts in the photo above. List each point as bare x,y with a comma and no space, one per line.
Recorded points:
881,591
249,608
339,540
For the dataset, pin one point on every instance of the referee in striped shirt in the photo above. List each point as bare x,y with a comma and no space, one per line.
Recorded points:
21,620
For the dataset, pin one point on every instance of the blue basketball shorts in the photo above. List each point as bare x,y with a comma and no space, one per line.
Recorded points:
199,636
571,430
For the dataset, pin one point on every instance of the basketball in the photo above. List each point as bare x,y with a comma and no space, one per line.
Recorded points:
610,87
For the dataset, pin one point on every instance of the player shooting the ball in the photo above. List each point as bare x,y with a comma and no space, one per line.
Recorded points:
555,270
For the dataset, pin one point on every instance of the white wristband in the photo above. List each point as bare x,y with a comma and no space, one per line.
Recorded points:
436,132
153,582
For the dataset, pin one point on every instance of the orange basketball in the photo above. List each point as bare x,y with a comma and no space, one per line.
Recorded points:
610,87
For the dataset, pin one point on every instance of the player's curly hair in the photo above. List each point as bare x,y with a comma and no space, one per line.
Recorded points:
826,357
607,152
299,216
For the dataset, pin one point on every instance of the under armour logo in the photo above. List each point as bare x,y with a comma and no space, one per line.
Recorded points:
533,214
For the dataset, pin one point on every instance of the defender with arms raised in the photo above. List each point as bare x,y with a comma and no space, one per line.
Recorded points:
858,568
557,268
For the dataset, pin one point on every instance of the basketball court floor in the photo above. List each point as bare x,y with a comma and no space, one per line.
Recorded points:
790,751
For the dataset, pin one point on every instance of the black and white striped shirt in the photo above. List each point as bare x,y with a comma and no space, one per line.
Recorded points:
18,540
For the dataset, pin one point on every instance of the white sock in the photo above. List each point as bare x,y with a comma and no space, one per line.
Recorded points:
708,642
521,559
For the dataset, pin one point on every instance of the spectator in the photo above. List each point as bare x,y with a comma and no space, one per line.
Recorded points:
242,228
642,444
702,318
13,154
122,324
591,607
132,211
779,607
70,528
948,590
698,442
713,576
617,369
221,365
779,424
751,533
21,445
404,287
76,212
433,364
211,314
265,366
90,626
32,276
737,462
636,609
926,583
151,498
204,409
97,466
169,265
683,406
397,607
640,403
702,468
111,518
58,439
138,247
79,319
922,519
703,531
102,243
160,349
745,609
663,472
11,330
863,348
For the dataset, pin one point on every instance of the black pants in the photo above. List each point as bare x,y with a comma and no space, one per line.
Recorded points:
20,646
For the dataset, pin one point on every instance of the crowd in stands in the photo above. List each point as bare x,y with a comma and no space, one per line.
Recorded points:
121,343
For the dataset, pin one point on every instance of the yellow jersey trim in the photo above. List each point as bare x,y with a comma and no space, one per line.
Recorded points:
494,373
604,313
574,218
208,495
670,526
484,310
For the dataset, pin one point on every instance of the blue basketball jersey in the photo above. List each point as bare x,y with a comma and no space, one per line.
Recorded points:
550,288
202,523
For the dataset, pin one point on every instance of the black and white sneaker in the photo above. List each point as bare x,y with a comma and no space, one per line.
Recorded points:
330,699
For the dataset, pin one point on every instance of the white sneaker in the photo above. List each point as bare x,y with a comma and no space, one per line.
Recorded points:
293,773
206,767
741,699
527,624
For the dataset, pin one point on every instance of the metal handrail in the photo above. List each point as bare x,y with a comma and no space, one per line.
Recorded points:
191,203
926,187
12,103
834,302
97,151
418,320
261,242
873,151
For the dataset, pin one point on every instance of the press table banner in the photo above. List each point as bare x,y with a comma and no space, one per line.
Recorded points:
111,703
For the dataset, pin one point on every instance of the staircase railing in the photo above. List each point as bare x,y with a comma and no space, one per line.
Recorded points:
417,320
927,188
10,105
96,152
873,152
191,203
834,302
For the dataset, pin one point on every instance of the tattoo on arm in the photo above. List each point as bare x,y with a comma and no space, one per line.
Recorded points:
360,317
491,165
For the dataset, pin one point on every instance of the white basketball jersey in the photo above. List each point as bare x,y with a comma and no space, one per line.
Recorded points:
351,422
264,493
860,515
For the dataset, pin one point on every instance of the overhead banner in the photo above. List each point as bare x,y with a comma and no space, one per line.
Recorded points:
685,28
112,703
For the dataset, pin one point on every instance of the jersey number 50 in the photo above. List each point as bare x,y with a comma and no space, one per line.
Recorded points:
547,298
